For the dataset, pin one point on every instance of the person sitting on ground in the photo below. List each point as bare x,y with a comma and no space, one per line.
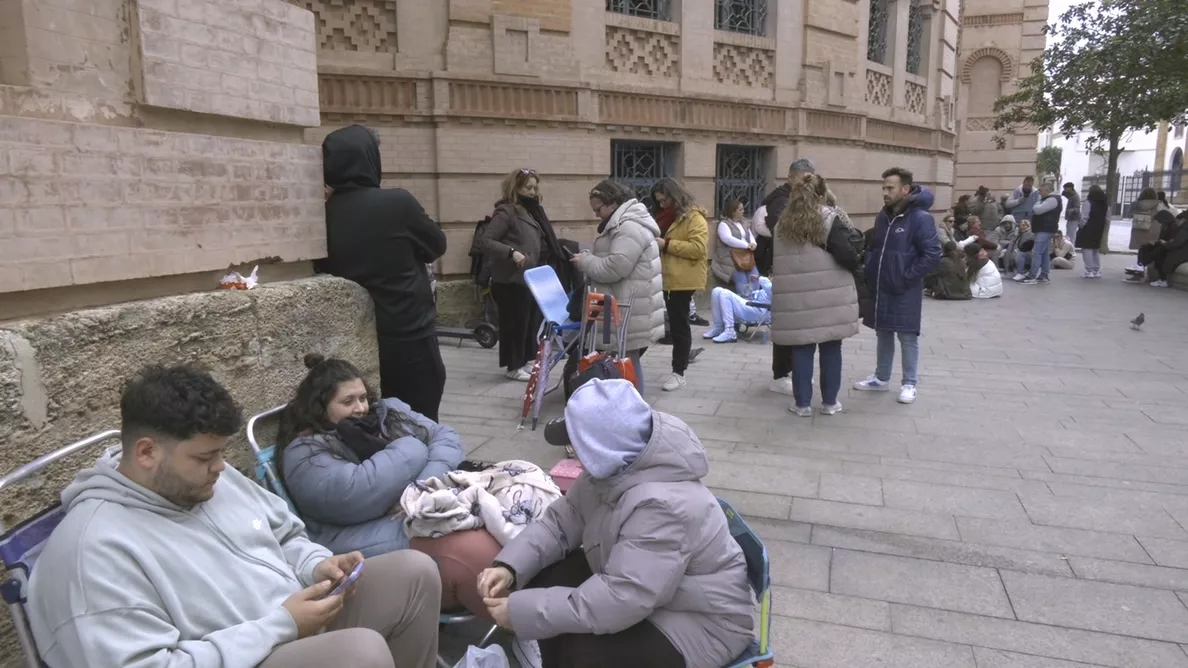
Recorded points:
1003,236
736,244
346,459
168,557
635,566
729,308
945,231
1150,254
1170,254
1019,256
981,275
1062,252
948,280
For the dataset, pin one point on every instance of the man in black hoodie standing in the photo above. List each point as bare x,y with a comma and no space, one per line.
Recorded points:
381,238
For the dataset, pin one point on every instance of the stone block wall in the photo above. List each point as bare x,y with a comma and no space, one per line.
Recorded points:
154,138
85,203
61,376
250,59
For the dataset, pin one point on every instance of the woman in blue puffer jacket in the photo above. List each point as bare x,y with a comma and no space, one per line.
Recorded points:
346,459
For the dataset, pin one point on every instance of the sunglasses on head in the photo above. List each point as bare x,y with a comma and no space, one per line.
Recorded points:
528,172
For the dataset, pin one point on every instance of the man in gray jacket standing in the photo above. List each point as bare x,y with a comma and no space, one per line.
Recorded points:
1045,222
1021,203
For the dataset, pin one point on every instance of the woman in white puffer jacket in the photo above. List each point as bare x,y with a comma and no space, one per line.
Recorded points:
984,280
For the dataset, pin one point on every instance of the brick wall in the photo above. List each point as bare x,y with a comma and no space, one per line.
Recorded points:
83,203
242,58
80,46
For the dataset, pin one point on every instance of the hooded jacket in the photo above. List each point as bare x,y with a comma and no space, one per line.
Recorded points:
903,249
379,238
129,578
1021,204
625,261
654,536
347,502
1090,234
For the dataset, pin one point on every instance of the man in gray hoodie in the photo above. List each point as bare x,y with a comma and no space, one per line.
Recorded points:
167,558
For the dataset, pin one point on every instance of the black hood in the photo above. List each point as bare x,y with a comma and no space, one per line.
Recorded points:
781,192
351,158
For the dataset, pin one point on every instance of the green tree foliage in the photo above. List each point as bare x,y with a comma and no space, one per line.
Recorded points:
1111,66
1047,161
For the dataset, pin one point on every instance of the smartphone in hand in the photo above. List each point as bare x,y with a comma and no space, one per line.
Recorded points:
346,582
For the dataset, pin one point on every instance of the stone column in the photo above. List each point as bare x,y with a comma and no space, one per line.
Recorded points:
697,46
899,9
786,21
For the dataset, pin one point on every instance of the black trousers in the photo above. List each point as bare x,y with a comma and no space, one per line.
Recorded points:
519,318
676,302
639,645
781,361
412,371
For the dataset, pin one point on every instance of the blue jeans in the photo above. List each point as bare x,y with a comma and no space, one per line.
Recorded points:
1041,264
802,372
743,280
909,347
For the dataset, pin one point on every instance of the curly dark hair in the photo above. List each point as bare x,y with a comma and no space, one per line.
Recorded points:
174,404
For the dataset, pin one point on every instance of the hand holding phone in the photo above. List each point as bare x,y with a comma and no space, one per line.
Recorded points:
346,582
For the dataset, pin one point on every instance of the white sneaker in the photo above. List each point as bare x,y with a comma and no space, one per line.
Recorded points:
807,411
527,652
675,381
907,394
1159,284
712,332
831,409
782,386
872,384
519,375
1018,278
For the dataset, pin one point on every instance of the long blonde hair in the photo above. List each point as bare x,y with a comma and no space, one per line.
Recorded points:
802,222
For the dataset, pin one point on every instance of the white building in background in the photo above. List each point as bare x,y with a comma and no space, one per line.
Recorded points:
1159,152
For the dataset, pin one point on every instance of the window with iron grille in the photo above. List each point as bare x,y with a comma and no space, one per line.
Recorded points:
640,164
648,9
745,16
915,39
876,45
741,175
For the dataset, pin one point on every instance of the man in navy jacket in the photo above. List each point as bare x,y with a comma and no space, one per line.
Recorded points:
904,247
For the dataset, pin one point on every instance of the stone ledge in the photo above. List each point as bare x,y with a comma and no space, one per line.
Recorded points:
60,376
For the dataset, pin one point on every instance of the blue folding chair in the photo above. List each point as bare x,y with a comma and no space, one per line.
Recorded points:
267,476
759,654
20,546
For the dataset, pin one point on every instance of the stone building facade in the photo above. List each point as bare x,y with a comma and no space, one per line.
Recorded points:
722,94
999,39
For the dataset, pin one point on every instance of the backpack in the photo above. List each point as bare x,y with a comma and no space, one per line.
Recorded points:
480,264
857,239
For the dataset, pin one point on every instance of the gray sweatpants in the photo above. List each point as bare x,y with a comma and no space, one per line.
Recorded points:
390,621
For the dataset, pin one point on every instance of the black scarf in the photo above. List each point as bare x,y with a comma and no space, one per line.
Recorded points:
552,254
362,436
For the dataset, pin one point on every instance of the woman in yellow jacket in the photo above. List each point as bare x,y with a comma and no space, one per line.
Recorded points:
684,257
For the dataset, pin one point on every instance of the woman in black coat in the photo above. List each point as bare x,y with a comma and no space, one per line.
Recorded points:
1090,234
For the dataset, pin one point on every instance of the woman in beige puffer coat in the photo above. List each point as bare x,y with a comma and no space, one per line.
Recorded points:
625,262
814,297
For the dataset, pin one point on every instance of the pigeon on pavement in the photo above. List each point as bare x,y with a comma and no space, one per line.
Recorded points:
1137,323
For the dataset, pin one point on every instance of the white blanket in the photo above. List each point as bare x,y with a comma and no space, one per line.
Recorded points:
503,499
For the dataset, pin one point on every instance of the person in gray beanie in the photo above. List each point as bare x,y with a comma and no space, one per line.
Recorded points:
635,566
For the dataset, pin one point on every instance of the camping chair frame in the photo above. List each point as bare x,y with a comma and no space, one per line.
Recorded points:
267,475
20,546
759,654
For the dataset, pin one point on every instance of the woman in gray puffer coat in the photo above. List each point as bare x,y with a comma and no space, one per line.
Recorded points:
814,297
625,262
635,566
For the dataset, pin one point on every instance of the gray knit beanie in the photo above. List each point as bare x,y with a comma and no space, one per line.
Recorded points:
803,165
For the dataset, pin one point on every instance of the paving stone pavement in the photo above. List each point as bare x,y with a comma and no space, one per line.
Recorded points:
1030,510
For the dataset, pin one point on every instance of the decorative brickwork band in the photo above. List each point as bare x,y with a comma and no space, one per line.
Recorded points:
643,53
1001,56
744,66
